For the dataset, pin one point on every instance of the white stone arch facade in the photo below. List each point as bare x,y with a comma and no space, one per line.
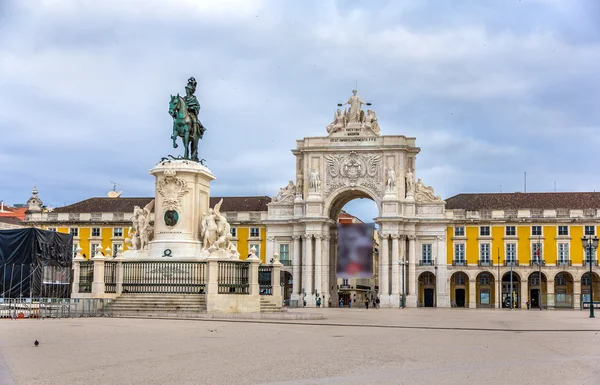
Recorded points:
354,161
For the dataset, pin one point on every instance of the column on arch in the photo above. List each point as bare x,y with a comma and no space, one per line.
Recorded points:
307,264
296,266
384,261
318,264
333,268
412,260
326,265
395,267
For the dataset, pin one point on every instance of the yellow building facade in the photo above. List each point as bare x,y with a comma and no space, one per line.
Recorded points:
527,244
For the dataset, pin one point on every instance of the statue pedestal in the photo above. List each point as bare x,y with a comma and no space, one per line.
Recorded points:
182,192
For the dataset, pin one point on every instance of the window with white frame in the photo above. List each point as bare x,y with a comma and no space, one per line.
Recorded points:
563,252
74,231
484,231
75,246
233,232
590,230
589,254
563,230
95,231
459,252
117,232
254,232
511,252
484,252
511,230
459,231
536,252
284,254
116,248
426,255
536,230
93,248
257,247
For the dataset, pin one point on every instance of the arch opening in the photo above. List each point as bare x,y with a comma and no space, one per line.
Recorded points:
354,250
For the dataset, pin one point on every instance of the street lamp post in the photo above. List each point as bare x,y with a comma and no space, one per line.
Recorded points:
539,262
590,243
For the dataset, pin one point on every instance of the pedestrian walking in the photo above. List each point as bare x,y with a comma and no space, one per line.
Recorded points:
377,302
367,303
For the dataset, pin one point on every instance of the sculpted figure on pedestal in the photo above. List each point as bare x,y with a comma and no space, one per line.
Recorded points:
339,122
425,193
390,182
410,184
186,124
216,231
314,181
369,121
286,193
355,103
142,226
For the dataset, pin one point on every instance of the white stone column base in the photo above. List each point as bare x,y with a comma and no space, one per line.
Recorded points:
411,300
394,300
443,300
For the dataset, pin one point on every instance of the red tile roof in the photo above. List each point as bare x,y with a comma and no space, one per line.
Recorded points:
126,205
515,201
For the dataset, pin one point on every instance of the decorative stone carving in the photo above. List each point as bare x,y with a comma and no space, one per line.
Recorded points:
172,189
354,170
34,204
390,182
286,194
425,193
215,232
314,181
142,226
339,122
410,184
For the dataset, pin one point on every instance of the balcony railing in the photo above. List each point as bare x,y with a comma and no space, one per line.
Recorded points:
459,262
485,262
425,263
563,263
587,262
536,262
511,262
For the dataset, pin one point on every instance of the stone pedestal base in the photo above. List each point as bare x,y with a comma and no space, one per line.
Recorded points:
411,300
443,300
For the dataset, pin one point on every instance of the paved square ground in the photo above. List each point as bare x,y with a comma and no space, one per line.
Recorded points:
351,346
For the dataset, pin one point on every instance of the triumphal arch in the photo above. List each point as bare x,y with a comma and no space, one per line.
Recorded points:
353,160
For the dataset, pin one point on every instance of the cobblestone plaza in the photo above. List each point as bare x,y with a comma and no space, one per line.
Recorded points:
351,346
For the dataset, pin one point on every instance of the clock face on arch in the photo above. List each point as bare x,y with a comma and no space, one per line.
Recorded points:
171,218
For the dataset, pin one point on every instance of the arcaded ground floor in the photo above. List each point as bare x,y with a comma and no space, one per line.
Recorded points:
351,346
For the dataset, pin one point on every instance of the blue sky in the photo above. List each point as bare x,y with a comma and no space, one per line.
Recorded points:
490,89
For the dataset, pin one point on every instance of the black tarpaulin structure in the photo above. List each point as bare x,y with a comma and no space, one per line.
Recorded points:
35,263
